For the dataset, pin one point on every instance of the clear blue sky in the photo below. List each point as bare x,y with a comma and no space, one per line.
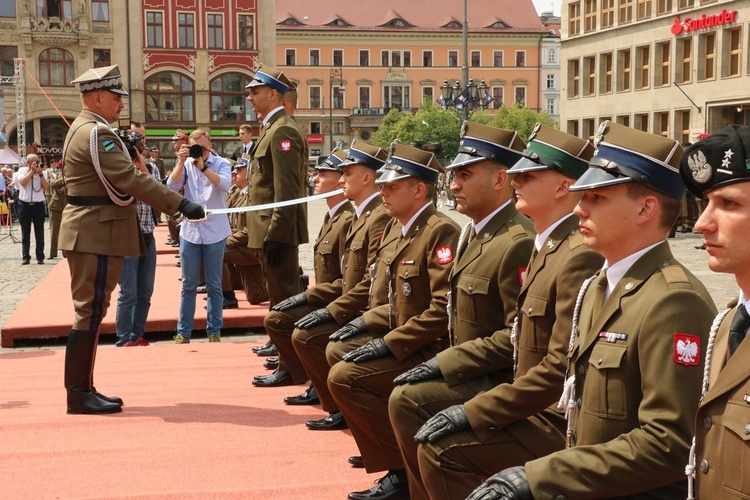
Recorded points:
547,5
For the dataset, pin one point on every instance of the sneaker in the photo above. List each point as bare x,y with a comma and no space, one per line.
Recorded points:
138,342
179,339
214,337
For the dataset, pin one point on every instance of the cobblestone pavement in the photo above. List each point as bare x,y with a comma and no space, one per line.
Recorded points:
17,281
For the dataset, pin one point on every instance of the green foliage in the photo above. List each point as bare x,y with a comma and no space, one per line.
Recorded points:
432,124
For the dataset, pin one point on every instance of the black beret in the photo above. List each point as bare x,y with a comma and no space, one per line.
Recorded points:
719,159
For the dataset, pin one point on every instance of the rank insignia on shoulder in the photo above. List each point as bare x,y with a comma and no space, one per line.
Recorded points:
109,145
444,254
613,337
286,145
687,349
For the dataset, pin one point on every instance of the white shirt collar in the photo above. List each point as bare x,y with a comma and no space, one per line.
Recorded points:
269,115
542,237
616,271
361,207
480,225
407,226
333,210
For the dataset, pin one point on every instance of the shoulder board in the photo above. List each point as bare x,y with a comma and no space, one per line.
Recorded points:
674,274
575,239
516,230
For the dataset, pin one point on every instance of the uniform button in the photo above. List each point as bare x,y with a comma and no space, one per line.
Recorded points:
581,370
707,423
529,310
471,288
346,249
704,466
388,260
561,497
492,429
406,274
406,349
346,266
578,403
746,430
460,376
600,361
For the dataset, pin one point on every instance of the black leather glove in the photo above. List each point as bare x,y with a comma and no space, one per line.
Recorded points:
354,327
423,371
315,318
272,249
294,301
510,483
374,349
449,421
191,210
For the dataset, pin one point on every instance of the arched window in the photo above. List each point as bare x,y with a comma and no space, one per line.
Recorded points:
229,99
170,97
56,68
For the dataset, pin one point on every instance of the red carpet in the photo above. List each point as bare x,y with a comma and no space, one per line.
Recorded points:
193,427
54,320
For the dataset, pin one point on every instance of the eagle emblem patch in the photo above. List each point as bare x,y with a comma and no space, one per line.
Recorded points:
687,349
444,254
286,145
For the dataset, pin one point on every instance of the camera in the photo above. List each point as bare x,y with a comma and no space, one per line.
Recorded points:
196,151
131,140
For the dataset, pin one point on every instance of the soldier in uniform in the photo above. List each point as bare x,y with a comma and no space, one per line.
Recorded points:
178,139
716,170
349,295
638,328
495,426
56,205
99,225
278,173
328,250
412,327
238,258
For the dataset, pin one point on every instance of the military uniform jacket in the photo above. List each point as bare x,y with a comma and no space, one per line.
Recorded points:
418,267
57,187
106,229
345,297
484,284
237,220
545,312
330,244
723,422
636,389
278,173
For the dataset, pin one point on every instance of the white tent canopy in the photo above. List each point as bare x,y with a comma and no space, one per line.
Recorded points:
8,157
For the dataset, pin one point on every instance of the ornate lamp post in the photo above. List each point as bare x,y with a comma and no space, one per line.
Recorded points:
465,99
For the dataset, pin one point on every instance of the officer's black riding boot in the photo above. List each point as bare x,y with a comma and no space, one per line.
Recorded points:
79,360
113,399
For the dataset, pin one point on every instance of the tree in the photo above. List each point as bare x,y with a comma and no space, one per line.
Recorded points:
520,119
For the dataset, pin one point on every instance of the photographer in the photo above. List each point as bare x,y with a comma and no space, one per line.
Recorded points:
206,179
32,186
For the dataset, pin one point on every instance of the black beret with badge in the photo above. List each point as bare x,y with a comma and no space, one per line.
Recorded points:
481,142
718,160
551,149
104,78
407,161
624,154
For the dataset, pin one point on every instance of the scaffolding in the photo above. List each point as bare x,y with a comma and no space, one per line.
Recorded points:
18,80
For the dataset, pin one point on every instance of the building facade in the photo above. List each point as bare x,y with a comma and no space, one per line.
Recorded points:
354,65
550,82
678,68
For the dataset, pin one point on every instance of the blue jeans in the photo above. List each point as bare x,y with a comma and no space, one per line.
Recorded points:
191,257
136,288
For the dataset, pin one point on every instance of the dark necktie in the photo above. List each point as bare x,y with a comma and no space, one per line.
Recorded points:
738,328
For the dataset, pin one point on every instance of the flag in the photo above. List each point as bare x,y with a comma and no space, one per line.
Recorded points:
463,99
441,101
488,99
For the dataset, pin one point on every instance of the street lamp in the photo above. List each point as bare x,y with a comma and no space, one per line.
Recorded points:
465,99
337,72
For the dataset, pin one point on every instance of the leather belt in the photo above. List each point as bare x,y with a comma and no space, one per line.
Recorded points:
89,201
30,202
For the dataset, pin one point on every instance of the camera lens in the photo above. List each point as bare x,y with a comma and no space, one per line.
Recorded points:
196,151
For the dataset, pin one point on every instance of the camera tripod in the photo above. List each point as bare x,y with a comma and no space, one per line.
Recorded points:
7,222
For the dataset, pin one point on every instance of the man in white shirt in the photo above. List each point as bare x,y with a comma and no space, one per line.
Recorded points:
31,187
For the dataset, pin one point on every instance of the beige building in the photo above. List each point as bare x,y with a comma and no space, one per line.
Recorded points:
673,67
354,63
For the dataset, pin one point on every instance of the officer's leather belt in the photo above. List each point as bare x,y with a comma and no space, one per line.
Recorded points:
89,201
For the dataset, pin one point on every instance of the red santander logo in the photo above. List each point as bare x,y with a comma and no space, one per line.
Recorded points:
703,22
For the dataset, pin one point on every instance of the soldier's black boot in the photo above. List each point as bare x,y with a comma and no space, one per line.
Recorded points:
108,399
79,362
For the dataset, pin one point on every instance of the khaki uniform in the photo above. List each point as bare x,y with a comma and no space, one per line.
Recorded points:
328,248
723,422
238,257
56,205
99,235
511,424
413,325
278,173
345,298
635,392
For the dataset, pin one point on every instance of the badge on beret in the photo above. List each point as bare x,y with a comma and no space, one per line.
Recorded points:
109,146
406,289
699,167
687,349
444,254
286,145
534,132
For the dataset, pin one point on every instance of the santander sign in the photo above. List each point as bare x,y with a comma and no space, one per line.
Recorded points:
703,22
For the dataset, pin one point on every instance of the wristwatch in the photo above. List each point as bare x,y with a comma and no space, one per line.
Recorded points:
205,167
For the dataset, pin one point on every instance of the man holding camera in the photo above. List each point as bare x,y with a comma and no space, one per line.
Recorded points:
32,185
206,179
100,225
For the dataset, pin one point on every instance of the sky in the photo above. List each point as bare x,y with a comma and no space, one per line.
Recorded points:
547,5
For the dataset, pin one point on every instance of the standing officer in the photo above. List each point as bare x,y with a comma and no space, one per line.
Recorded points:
328,251
411,328
278,173
56,205
716,170
638,329
344,298
507,424
100,225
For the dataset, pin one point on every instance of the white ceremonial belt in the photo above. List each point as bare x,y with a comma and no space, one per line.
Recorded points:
267,206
